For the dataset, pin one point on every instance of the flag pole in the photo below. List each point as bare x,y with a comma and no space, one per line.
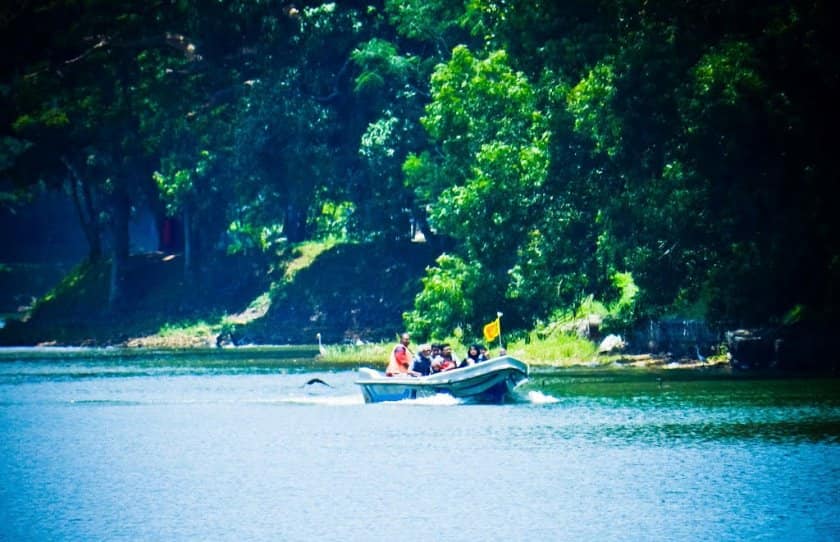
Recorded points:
499,320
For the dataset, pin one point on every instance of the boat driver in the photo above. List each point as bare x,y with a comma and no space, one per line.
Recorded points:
399,363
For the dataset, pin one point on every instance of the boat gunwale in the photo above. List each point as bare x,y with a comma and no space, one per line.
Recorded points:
509,364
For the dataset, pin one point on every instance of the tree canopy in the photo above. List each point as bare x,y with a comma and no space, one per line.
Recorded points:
664,158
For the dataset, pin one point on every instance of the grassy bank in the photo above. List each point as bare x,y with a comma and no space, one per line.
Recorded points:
560,351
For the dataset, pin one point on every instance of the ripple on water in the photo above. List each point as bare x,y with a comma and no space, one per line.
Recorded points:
249,453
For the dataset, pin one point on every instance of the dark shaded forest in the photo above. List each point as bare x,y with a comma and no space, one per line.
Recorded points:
639,158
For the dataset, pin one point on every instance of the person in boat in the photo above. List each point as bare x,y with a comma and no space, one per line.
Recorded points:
483,354
445,361
422,363
473,356
399,363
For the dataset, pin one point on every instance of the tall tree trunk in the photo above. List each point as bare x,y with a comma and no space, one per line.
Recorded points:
189,265
82,197
120,249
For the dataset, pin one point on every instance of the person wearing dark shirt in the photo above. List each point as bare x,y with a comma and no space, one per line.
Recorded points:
422,362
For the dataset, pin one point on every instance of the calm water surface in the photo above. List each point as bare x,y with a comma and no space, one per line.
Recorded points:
113,445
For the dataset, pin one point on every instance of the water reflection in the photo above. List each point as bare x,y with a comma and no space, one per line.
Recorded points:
635,409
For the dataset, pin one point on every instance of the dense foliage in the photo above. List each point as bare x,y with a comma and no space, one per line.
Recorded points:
664,158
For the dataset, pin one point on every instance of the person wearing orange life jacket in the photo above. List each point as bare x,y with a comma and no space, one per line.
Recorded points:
399,362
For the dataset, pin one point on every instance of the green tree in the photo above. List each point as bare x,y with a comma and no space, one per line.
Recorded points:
488,168
77,106
392,84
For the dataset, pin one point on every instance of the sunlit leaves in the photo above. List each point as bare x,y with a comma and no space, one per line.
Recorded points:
52,117
484,117
727,71
178,184
377,138
433,21
590,103
382,65
446,300
492,162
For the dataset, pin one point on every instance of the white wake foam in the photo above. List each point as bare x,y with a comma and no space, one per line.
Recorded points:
539,398
339,400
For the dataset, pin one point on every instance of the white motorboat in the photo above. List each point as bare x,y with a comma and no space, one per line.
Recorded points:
489,381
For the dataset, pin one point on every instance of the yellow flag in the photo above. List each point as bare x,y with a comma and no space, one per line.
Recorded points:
492,330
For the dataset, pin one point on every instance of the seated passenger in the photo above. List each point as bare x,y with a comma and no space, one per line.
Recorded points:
422,363
472,358
445,361
399,363
483,354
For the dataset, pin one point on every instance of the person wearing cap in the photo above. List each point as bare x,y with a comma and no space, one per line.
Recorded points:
422,362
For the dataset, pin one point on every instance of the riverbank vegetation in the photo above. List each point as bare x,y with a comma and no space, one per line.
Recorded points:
424,164
564,350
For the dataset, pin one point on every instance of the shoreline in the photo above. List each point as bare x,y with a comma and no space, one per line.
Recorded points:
367,354
308,354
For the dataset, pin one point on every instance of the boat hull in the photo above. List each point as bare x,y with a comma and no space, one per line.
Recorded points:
487,382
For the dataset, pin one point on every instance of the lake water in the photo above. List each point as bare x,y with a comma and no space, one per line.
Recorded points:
116,445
